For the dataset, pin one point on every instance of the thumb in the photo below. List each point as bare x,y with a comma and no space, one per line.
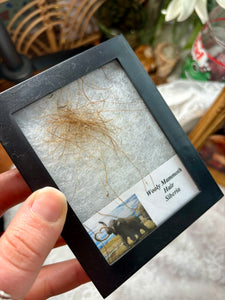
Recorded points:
28,240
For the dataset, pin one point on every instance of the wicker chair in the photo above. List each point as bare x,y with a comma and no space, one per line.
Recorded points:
47,26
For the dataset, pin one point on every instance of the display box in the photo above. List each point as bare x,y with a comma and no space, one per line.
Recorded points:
96,127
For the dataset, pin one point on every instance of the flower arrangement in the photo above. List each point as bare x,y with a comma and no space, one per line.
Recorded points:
182,9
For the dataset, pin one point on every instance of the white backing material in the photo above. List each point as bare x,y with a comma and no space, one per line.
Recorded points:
96,174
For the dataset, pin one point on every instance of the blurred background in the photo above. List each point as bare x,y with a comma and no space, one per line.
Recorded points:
181,45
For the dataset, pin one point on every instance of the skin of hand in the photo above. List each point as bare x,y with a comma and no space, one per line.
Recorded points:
29,238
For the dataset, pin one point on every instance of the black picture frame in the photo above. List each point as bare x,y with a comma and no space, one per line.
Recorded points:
106,277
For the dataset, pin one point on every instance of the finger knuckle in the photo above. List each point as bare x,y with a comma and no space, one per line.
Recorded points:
17,251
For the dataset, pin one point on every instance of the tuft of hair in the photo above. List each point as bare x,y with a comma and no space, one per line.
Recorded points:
76,129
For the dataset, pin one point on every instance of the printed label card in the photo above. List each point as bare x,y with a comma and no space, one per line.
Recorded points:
141,209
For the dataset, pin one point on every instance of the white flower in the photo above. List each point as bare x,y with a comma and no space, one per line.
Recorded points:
182,9
221,3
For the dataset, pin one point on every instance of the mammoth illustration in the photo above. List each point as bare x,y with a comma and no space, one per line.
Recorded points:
143,213
125,227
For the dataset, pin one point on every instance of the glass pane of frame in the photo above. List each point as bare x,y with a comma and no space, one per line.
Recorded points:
106,152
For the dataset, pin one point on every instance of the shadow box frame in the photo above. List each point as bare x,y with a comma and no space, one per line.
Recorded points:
209,123
106,277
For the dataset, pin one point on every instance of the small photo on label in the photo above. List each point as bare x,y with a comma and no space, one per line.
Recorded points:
119,227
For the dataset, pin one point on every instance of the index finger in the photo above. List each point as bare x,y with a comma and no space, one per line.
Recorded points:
13,189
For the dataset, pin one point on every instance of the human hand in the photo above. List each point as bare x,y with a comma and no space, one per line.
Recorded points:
28,240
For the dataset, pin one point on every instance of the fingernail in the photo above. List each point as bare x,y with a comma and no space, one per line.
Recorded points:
48,204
